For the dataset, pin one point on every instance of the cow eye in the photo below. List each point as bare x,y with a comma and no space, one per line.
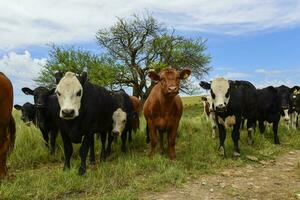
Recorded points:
78,93
227,94
212,94
58,93
124,121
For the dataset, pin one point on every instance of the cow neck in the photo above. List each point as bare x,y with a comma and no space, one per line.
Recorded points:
166,102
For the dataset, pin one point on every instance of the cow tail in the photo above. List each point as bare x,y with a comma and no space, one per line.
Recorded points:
147,134
11,134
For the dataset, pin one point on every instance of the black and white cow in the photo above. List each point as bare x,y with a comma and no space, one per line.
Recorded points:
28,113
85,109
284,101
294,110
43,120
235,99
209,113
122,115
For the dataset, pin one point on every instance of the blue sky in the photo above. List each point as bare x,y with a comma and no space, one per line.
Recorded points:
250,40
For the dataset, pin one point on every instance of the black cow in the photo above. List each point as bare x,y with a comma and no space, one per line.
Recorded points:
42,114
269,109
234,99
85,109
28,113
294,109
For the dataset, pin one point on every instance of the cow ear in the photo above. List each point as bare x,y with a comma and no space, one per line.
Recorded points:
203,98
205,85
295,89
83,77
153,76
27,91
185,73
58,76
17,107
52,91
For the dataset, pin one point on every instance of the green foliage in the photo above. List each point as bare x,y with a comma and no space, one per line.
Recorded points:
141,43
101,70
34,174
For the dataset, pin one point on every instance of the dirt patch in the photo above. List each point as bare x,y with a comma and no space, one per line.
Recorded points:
274,179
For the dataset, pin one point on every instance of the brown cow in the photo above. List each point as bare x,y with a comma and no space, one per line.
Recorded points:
137,108
163,108
7,123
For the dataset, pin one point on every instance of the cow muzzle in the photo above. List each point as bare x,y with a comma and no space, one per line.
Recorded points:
68,113
115,133
221,108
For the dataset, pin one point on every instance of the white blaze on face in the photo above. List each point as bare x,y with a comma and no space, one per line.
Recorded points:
69,94
119,121
220,92
286,115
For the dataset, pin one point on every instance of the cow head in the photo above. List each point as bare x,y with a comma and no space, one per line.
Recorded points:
28,112
69,93
295,98
169,80
220,93
40,95
284,100
119,121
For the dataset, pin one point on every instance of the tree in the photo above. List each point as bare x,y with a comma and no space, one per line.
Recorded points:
101,70
140,43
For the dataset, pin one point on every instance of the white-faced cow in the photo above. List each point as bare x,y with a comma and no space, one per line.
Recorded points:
284,94
294,110
85,109
235,99
163,108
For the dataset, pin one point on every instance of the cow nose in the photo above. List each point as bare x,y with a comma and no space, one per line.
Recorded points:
68,112
172,88
116,133
220,107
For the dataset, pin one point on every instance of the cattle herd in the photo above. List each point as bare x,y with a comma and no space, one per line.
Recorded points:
78,109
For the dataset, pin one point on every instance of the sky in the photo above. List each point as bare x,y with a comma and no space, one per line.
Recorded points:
255,40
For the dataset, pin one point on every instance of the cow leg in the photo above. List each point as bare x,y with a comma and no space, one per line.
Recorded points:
84,148
92,151
262,127
147,134
213,124
153,139
46,137
275,130
222,137
250,123
103,151
172,142
53,135
123,141
161,142
235,135
68,150
109,142
130,135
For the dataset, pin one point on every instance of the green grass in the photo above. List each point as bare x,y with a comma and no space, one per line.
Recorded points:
34,174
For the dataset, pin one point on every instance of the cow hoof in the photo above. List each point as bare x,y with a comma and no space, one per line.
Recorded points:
277,142
81,171
221,151
236,154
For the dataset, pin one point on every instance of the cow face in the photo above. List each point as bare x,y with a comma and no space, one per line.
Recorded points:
169,80
28,112
69,93
40,95
295,98
119,121
220,93
284,98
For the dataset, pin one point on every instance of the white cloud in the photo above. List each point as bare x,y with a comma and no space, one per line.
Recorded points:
34,22
21,69
269,72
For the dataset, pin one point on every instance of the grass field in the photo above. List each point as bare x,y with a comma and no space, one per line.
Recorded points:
34,174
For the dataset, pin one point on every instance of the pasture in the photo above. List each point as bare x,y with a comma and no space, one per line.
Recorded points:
35,174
